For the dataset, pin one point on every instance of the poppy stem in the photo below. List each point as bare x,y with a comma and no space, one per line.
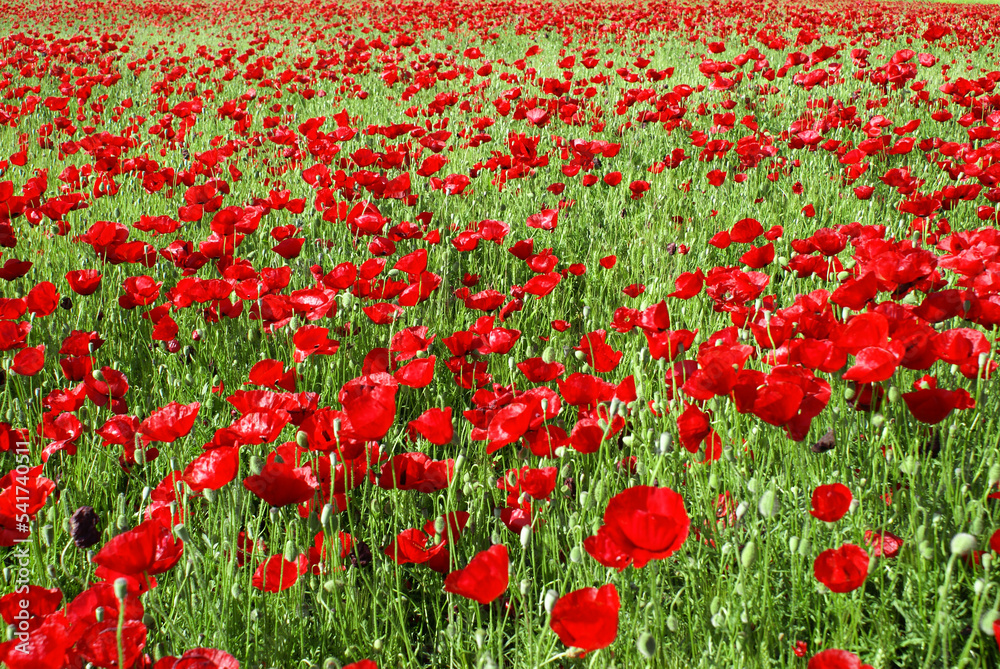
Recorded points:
938,610
118,635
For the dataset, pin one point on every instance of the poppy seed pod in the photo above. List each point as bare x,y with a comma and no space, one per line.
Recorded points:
121,588
962,544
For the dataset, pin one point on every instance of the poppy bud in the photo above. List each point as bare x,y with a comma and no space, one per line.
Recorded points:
748,555
793,543
551,597
549,355
98,375
580,355
990,617
894,394
121,588
994,474
99,613
256,465
181,532
646,645
122,523
48,535
290,551
525,536
962,544
275,514
768,504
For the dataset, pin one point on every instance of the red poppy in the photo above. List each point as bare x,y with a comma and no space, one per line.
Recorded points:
647,523
280,484
434,425
212,469
887,544
485,577
148,549
370,404
933,405
199,658
587,618
84,281
834,658
361,664
416,471
29,361
410,547
275,574
831,502
842,569
170,423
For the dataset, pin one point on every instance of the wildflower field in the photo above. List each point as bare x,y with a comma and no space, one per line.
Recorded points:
499,335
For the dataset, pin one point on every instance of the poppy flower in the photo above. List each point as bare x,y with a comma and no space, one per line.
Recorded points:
29,361
647,523
587,618
280,484
148,549
831,502
834,658
275,574
170,423
842,569
199,658
485,577
410,547
434,425
84,281
212,469
887,544
603,548
933,405
370,404
99,643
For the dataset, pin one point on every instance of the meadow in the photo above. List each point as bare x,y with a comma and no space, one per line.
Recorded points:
499,335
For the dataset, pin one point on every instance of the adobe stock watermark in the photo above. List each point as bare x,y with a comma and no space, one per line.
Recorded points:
22,573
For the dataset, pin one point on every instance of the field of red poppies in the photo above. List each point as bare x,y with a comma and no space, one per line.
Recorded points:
482,335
